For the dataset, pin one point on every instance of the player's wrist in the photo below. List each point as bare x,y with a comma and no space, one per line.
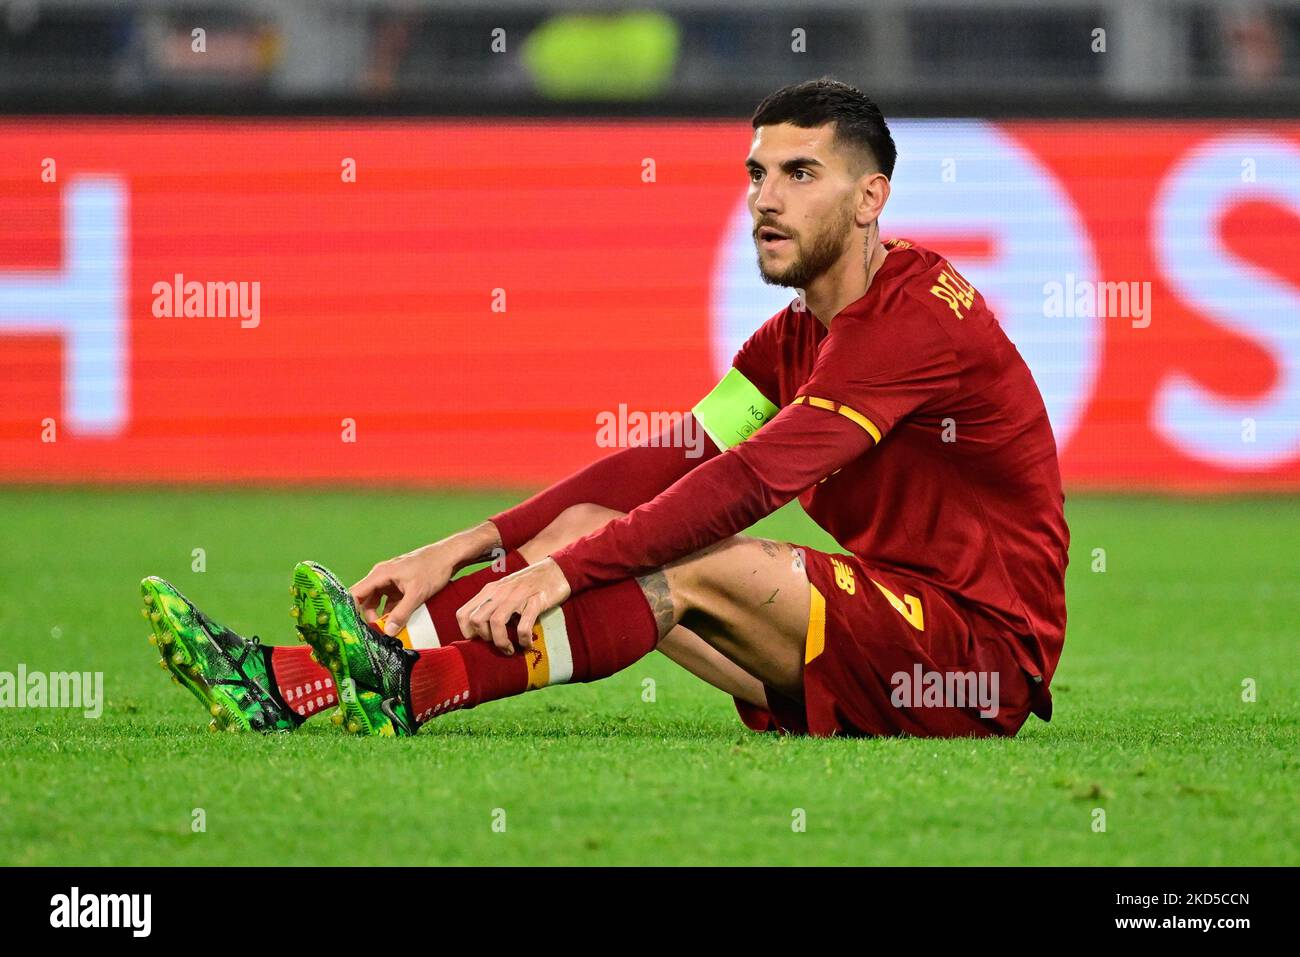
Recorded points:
570,568
478,544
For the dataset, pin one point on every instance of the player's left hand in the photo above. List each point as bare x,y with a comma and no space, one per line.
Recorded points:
527,593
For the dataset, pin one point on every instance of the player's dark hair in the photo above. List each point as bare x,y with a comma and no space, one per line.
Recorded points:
859,124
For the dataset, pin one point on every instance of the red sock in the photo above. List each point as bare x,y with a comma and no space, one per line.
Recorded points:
308,688
590,636
305,686
434,623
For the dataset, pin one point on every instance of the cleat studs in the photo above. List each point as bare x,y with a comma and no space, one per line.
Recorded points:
293,590
153,640
314,593
144,612
148,599
162,663
336,718
213,726
330,647
167,638
155,616
178,658
322,618
214,710
313,657
335,666
295,611
353,727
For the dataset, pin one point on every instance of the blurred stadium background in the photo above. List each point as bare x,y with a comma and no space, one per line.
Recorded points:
471,227
435,55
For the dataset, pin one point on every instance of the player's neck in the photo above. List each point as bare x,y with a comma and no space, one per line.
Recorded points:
845,282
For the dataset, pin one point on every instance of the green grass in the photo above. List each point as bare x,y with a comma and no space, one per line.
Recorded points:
1150,724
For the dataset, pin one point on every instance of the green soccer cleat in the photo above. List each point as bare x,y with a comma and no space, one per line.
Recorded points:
371,671
226,671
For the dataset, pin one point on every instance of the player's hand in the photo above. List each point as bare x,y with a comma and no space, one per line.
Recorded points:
527,593
408,581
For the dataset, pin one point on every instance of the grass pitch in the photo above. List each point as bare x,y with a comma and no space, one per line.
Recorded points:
1196,598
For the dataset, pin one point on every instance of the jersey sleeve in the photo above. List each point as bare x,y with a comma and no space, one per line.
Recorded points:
726,495
620,481
878,370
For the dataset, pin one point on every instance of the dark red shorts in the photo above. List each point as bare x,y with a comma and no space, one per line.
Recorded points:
887,654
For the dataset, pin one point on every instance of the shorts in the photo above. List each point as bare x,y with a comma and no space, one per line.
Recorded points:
887,654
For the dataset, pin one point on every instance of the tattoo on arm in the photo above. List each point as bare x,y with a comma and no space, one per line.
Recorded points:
655,588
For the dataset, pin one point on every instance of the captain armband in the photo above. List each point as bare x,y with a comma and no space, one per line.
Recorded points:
733,411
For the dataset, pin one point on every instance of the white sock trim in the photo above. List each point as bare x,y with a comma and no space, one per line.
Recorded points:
556,635
419,627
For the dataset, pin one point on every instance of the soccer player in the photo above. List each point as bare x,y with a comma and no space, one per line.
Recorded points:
885,397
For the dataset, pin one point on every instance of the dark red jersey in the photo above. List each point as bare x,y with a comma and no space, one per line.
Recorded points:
963,489
911,430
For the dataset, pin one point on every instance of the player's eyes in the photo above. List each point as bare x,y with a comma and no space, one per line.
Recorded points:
801,175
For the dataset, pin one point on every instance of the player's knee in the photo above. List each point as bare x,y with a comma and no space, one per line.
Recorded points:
586,517
697,580
722,573
575,522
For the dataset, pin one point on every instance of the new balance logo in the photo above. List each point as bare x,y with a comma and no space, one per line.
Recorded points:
843,576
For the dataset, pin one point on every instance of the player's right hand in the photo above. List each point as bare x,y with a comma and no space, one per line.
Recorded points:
408,581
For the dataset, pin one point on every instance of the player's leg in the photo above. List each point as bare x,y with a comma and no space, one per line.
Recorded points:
749,595
434,624
745,597
245,685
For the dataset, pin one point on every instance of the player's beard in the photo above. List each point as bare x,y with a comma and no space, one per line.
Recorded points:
823,251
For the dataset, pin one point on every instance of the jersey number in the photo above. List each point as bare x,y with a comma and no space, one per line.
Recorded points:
909,606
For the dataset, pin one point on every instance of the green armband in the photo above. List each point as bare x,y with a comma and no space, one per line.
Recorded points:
733,411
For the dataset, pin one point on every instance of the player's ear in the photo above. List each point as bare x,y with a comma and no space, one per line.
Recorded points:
873,193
